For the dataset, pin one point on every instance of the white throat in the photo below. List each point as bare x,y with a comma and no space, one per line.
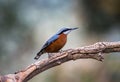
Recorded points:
67,32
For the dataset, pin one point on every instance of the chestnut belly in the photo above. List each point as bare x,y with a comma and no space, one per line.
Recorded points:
57,44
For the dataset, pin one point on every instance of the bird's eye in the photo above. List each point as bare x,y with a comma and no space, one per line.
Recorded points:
65,30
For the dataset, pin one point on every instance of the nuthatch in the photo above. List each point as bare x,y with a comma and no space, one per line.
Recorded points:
55,43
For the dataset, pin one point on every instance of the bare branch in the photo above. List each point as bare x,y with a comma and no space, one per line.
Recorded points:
95,51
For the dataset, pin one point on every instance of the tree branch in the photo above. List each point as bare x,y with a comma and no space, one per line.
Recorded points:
95,51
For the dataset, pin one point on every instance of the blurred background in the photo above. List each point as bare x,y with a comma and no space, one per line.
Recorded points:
25,25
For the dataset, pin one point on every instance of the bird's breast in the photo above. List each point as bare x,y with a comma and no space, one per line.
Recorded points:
57,44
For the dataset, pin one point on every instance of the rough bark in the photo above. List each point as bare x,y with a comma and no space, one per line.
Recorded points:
95,51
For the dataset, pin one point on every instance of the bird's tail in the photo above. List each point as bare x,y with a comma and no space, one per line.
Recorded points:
38,55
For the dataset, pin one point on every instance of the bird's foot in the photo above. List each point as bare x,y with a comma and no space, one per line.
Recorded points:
60,51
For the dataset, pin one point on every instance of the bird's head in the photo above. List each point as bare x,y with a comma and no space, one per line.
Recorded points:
65,30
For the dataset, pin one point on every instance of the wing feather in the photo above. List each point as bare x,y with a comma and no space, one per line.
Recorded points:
52,39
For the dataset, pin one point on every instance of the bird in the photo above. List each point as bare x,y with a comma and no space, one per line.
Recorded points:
56,42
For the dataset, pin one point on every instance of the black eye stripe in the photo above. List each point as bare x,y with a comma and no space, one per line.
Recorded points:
65,30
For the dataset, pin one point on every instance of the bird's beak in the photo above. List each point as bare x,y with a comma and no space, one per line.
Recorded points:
74,28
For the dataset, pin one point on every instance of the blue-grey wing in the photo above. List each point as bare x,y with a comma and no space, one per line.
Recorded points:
52,39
